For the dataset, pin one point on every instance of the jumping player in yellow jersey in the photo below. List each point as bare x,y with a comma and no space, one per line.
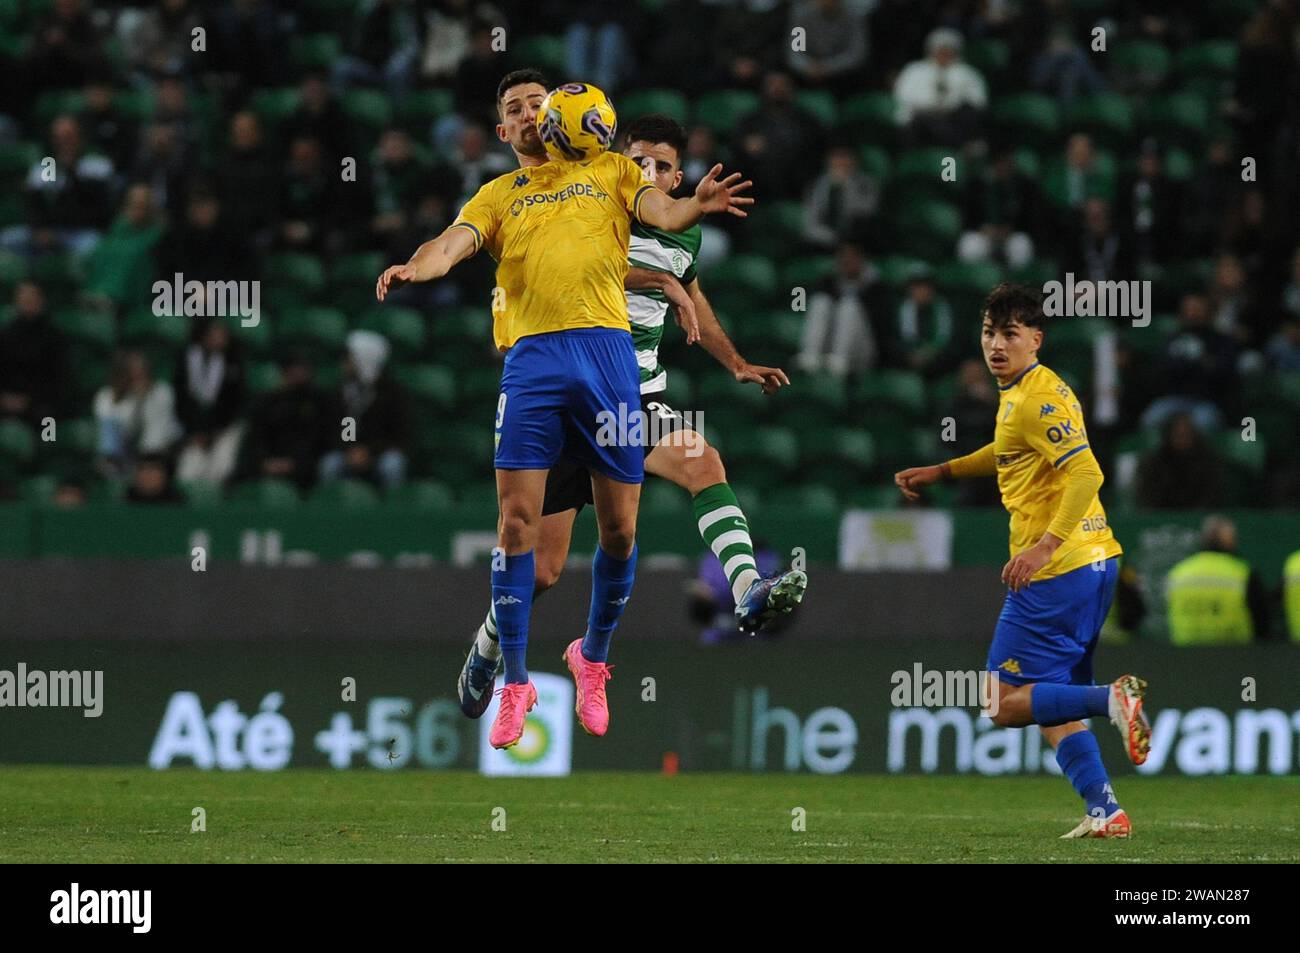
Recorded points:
559,232
1063,567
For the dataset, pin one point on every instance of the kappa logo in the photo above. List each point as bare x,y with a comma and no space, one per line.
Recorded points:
1011,665
520,180
1045,410
508,600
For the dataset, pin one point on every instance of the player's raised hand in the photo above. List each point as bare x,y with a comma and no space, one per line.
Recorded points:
723,195
393,277
911,480
770,379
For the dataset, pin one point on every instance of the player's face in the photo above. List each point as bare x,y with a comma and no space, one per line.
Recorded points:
1008,350
659,160
518,125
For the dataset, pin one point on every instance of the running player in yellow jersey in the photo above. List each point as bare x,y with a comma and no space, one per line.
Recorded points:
1063,567
559,232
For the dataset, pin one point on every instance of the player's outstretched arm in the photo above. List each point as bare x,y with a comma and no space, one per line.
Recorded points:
980,463
712,195
714,339
431,260
647,278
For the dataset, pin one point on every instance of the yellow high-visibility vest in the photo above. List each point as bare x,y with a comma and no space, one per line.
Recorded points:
1207,601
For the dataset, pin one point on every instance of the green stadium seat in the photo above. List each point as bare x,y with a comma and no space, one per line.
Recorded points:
722,109
841,458
542,52
314,50
892,390
1180,118
718,390
659,498
403,328
200,493
262,376
928,230
989,55
1027,162
477,494
325,15
770,337
293,278
94,330
13,269
753,273
821,104
968,278
428,385
819,394
1287,388
670,102
422,106
1216,57
1038,272
924,166
461,326
876,163
480,388
806,271
422,495
1107,117
767,455
273,106
815,500
159,335
1031,116
16,159
883,496
1140,64
318,331
345,495
870,118
369,107
896,270
1179,165
256,338
267,493
774,229
39,489
17,442
56,102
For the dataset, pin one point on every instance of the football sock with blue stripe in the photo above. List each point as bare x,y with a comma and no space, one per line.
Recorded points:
611,587
1057,704
512,598
725,530
1080,760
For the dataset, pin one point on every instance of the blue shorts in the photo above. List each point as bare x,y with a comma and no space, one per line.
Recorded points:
1048,630
561,394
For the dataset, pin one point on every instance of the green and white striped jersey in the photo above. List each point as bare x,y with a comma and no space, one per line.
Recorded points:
657,250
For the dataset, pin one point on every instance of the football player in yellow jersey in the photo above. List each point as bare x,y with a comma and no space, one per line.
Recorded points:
1063,567
559,232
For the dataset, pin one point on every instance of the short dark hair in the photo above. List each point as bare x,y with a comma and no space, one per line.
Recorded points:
1008,303
519,77
658,127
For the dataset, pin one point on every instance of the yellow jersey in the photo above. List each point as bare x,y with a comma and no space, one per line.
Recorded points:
1039,428
559,234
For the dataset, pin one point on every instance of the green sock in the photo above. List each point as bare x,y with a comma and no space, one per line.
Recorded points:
725,530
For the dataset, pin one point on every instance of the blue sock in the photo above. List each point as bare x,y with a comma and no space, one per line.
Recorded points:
1057,704
512,601
611,586
1080,760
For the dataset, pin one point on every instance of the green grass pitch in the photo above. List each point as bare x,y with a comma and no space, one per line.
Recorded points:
112,815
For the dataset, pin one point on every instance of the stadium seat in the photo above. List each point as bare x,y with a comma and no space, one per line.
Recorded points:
642,102
662,499
542,52
369,107
770,337
322,15
262,376
318,331
39,489
352,280
766,455
822,396
753,273
17,442
314,51
806,271
479,389
254,338
1037,272
876,163
821,104
293,279
345,495
93,330
461,326
1107,117
773,231
968,278
160,336
428,386
200,493
924,166
882,496
12,270
421,107
1217,57
422,495
990,56
840,458
403,327
274,105
1027,116
719,390
928,230
902,391
1139,64
869,119
815,500
477,493
896,270
722,109
1180,118
268,493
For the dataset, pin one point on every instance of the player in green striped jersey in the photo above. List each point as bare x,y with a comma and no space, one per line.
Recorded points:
661,274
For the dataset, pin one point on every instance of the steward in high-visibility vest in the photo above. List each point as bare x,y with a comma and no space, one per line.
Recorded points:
1291,594
1215,598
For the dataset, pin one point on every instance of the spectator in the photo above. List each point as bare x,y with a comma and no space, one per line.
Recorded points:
841,201
839,335
923,337
66,48
123,266
1284,348
1183,473
1231,306
595,42
748,37
291,428
1212,190
163,166
319,116
447,35
835,45
1098,252
1002,207
1078,178
69,202
940,99
1291,294
159,42
1150,206
204,246
385,48
975,404
377,404
136,414
312,206
478,161
1196,371
69,494
151,482
210,391
107,130
33,359
247,45
1215,596
1063,70
401,176
249,185
776,140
